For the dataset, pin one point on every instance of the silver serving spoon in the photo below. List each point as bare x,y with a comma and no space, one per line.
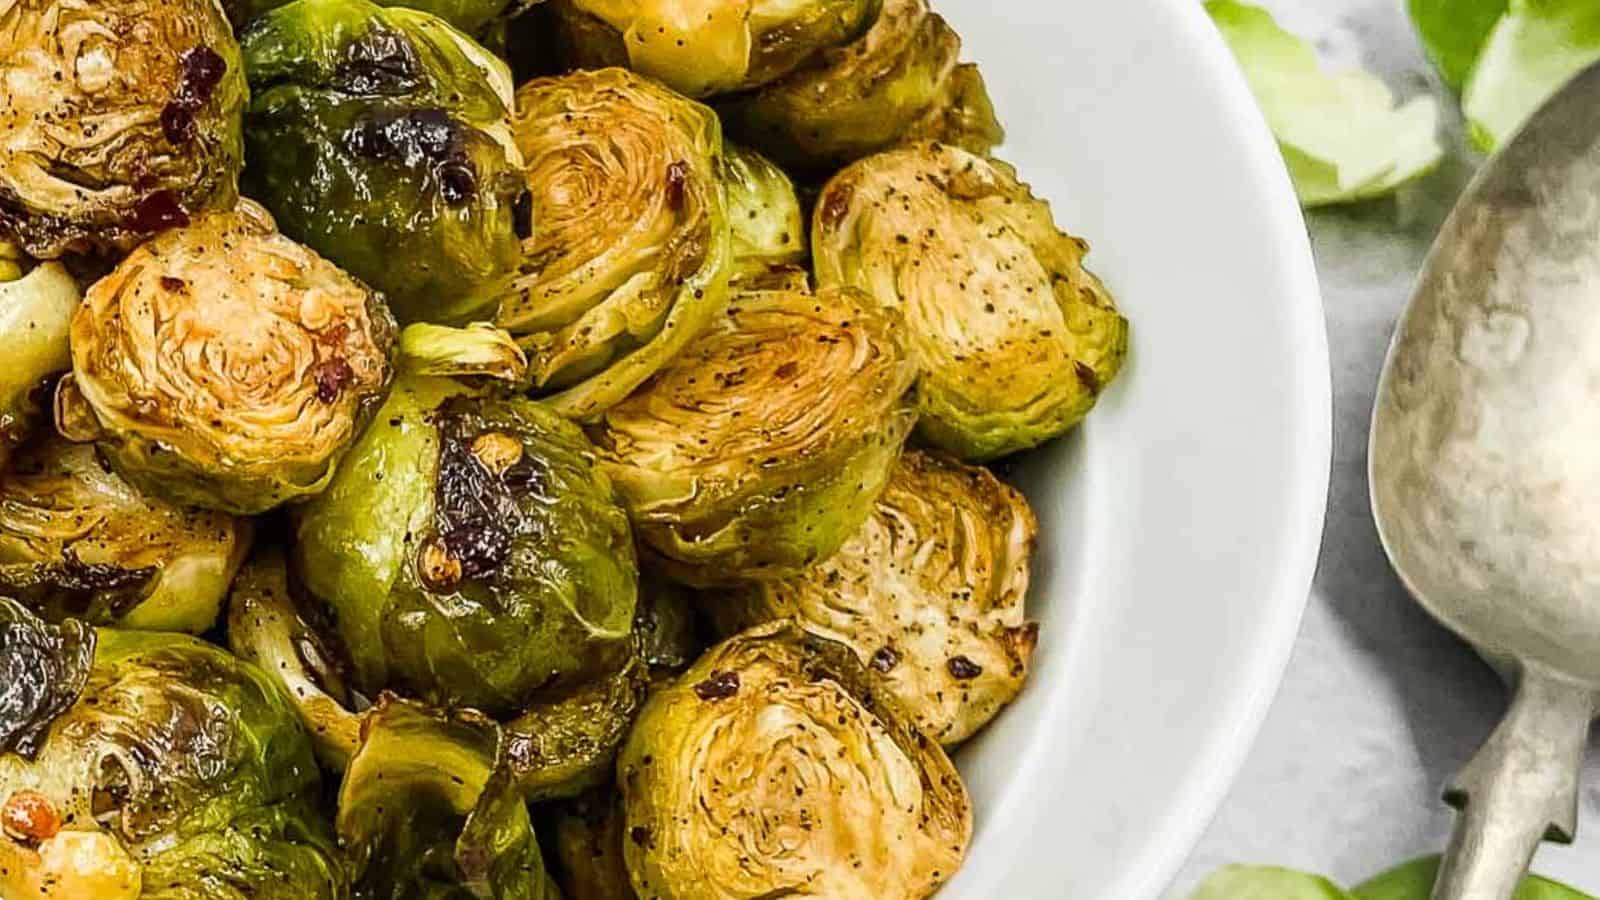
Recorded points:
1485,472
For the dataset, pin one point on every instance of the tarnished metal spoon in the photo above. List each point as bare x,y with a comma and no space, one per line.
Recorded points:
1485,473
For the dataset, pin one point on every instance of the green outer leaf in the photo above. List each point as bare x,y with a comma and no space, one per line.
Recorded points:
1535,49
1414,881
1454,32
1342,136
1266,883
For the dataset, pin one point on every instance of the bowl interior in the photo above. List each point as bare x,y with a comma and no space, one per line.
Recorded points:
1179,526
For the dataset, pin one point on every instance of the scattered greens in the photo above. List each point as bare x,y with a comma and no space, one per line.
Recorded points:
1411,881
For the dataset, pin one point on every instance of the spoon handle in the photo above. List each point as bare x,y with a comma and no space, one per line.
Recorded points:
1520,788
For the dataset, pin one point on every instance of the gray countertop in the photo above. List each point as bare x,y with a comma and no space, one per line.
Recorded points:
1380,705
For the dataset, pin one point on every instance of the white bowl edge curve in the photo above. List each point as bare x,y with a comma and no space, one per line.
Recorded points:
1180,526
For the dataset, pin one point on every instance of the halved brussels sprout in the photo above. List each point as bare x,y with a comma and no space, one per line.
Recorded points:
121,119
632,255
224,366
381,138
1016,339
761,447
178,768
769,230
709,47
471,552
892,83
929,594
586,839
778,766
428,809
35,321
266,627
76,540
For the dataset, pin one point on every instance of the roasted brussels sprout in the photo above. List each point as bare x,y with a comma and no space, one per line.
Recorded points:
471,552
632,253
428,809
121,118
381,138
899,80
769,230
35,320
712,46
586,838
224,366
471,16
762,446
929,594
777,765
479,350
1015,338
566,744
266,627
164,765
76,540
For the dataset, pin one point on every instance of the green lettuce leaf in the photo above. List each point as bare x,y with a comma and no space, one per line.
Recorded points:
1536,47
1414,881
1341,134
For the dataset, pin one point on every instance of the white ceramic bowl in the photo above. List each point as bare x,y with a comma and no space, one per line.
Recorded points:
1180,525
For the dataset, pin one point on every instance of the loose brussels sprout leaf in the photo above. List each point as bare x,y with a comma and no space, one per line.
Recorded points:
478,350
43,669
1266,883
180,767
964,116
226,367
707,47
587,840
1454,32
632,254
776,765
471,16
761,448
140,134
1535,49
265,628
1341,135
381,138
860,98
1414,881
471,551
929,594
35,317
1015,338
76,540
769,230
565,745
428,810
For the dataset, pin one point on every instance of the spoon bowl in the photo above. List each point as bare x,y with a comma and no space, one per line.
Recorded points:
1485,473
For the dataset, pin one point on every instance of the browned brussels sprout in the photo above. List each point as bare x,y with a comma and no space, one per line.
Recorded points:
121,119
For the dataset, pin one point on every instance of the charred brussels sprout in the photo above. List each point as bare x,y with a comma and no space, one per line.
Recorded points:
777,765
769,230
428,809
632,255
471,16
76,540
899,80
224,366
929,594
471,552
35,320
165,765
121,119
381,138
709,46
762,446
1016,339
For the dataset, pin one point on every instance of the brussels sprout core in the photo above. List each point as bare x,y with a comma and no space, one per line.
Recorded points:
224,366
1016,339
762,446
121,119
776,766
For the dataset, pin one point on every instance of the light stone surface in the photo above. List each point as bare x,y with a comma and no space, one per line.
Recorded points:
1380,705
